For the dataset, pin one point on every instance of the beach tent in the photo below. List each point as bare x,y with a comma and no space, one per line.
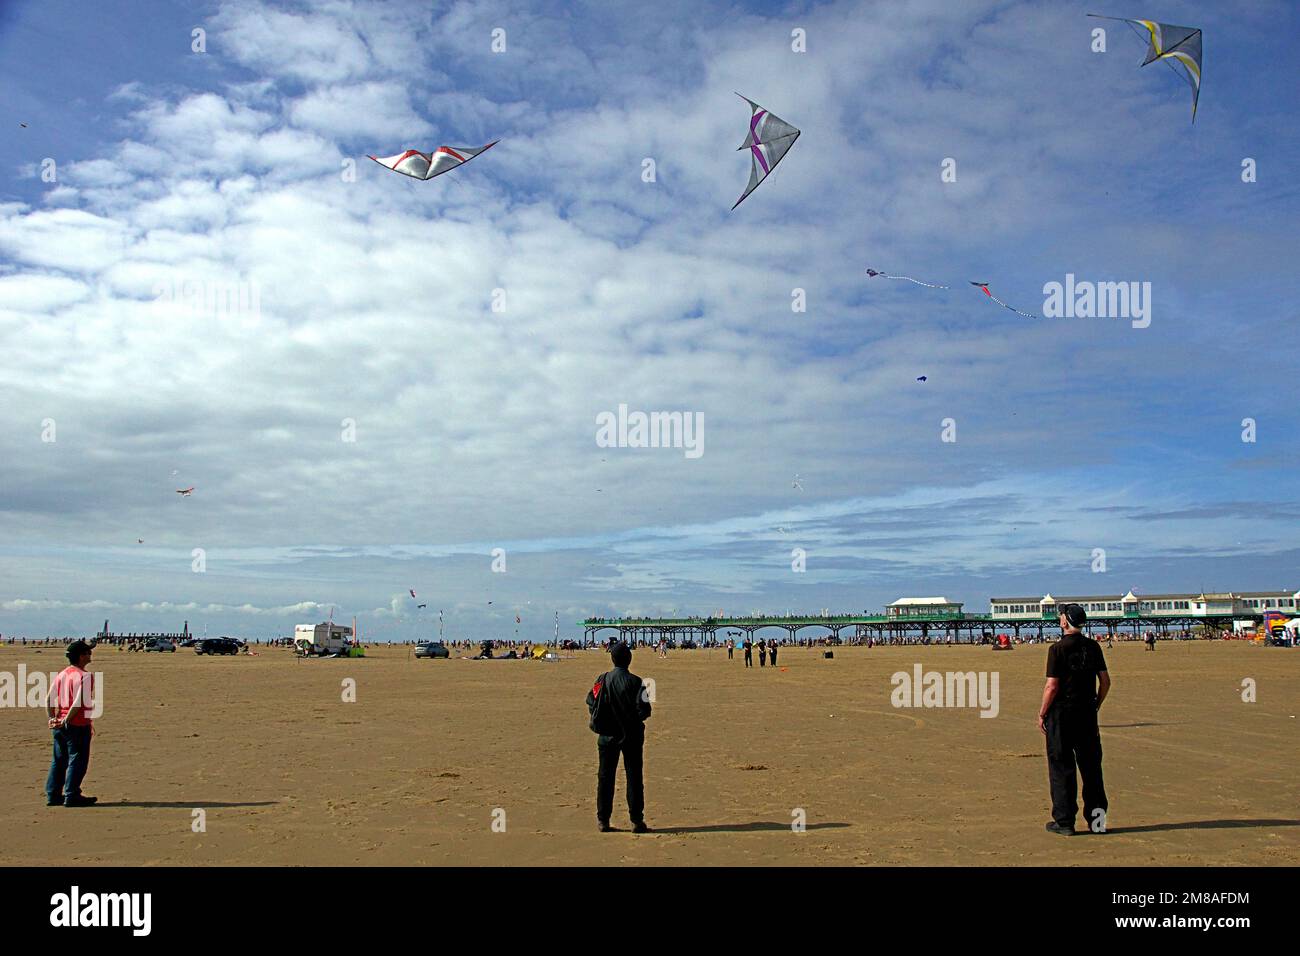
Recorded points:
539,652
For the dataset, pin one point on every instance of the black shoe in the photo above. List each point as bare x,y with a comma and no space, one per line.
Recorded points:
80,801
640,827
54,801
602,826
1054,827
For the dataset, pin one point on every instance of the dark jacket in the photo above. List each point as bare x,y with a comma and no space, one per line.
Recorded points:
626,701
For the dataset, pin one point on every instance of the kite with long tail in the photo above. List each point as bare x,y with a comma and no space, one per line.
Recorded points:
1179,48
872,273
985,287
982,286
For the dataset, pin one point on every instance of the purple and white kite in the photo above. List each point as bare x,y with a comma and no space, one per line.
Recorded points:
420,165
769,139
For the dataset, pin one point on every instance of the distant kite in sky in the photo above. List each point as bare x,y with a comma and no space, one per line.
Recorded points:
872,273
412,593
920,378
985,287
23,125
139,540
420,165
769,139
422,605
982,286
795,483
1178,47
185,492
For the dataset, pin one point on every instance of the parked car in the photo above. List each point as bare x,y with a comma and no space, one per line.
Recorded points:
431,650
161,645
216,645
190,641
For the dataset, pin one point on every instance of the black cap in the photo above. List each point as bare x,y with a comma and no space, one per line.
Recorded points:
620,654
76,649
1074,613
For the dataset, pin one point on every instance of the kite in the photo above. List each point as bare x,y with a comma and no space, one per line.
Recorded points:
23,125
1178,47
985,287
412,593
425,166
872,273
139,540
795,483
422,605
769,139
185,492
920,378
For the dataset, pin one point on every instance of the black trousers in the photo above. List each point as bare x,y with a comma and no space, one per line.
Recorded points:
730,651
609,749
1073,740
749,659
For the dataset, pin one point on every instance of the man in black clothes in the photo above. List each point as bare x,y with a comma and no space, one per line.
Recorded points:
1077,683
749,652
629,709
771,650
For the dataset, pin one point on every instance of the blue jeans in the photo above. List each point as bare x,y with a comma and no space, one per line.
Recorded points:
71,760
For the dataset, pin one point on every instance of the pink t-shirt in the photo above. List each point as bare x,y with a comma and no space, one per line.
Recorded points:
70,682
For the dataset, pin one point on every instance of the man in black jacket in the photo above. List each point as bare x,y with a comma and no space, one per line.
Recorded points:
628,709
1077,683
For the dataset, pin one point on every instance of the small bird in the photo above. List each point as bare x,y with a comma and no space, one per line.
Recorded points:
185,492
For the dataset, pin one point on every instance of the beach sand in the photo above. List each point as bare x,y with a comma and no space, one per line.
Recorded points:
414,770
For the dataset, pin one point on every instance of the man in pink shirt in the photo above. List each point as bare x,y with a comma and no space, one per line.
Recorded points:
68,706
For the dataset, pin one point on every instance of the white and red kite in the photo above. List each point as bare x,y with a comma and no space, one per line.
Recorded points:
420,165
185,492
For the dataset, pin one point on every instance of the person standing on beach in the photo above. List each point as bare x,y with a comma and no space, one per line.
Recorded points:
772,651
749,651
731,647
1077,684
66,706
1151,640
762,653
620,723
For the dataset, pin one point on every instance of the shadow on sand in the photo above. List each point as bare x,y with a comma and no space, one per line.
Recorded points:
1205,825
182,805
1114,726
747,827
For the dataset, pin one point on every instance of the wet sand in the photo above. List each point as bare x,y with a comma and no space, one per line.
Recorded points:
416,770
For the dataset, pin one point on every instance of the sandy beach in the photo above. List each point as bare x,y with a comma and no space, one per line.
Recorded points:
417,769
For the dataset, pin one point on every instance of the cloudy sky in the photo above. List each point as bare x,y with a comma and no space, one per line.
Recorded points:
372,382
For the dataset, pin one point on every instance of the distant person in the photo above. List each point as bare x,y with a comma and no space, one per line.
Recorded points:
749,652
70,696
772,652
619,710
1151,641
1077,684
731,648
762,653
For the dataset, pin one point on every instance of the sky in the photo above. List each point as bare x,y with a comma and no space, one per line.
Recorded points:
377,385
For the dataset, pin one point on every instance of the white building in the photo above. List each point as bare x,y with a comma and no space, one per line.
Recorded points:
1116,607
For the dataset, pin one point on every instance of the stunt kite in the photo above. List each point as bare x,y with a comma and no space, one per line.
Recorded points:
185,492
769,139
1179,47
425,166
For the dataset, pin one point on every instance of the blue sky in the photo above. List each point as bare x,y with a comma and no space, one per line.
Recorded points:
475,428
